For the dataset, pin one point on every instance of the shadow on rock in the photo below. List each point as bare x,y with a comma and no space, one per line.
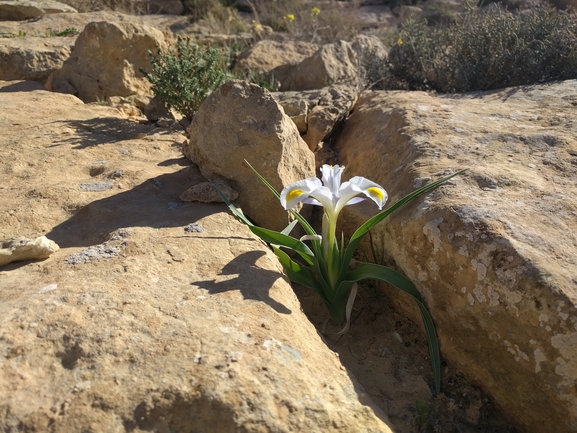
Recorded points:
153,203
252,281
104,130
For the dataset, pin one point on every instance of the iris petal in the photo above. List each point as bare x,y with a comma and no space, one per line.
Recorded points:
298,191
332,177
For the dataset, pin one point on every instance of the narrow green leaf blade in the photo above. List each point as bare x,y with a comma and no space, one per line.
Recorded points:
378,272
276,238
296,273
358,235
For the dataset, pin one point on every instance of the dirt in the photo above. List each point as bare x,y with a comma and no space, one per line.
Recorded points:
389,356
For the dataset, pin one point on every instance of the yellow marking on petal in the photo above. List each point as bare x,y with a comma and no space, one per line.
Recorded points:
293,194
376,192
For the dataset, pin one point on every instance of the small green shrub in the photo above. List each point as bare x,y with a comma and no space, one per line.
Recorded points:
483,51
185,76
70,31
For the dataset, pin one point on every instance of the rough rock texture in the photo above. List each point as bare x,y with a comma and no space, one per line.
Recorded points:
105,61
42,25
24,10
317,113
22,248
243,121
494,252
206,192
189,326
331,64
274,58
33,58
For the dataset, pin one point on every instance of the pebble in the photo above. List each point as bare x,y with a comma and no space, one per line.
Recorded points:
96,186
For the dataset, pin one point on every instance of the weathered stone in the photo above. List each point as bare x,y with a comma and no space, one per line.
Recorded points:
242,121
105,61
318,112
369,44
206,192
187,325
24,9
331,64
274,58
33,58
22,248
493,252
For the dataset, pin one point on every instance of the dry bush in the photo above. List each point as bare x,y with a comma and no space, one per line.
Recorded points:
134,7
482,51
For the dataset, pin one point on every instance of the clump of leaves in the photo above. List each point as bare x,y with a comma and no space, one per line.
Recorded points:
70,31
483,50
184,76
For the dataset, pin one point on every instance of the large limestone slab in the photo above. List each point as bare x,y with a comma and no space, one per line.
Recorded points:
106,59
242,121
33,58
154,315
494,252
24,10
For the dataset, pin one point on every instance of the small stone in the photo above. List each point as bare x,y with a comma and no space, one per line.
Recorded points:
96,186
193,228
22,248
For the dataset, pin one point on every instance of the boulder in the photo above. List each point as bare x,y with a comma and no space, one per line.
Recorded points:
154,315
331,64
317,113
242,121
274,58
33,58
105,61
18,10
492,252
21,248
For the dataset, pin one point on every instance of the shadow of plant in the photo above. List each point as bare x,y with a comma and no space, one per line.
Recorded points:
252,281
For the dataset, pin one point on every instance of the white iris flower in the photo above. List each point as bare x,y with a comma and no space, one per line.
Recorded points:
332,195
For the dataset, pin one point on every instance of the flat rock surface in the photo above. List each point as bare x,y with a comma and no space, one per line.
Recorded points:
154,315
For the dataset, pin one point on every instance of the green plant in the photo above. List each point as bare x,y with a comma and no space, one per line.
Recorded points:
325,267
483,51
422,415
66,32
184,76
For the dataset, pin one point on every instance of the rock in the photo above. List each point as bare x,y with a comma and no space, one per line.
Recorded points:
242,121
189,325
168,7
58,22
206,192
33,58
274,58
369,44
331,64
493,253
22,248
19,10
105,61
317,113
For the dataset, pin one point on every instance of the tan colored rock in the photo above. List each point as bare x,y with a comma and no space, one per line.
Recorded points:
274,58
21,248
24,9
206,192
178,319
331,64
105,61
33,58
317,113
58,22
243,121
493,252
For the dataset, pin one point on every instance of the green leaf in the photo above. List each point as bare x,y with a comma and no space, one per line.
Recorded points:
378,272
279,239
297,273
360,233
233,208
289,228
